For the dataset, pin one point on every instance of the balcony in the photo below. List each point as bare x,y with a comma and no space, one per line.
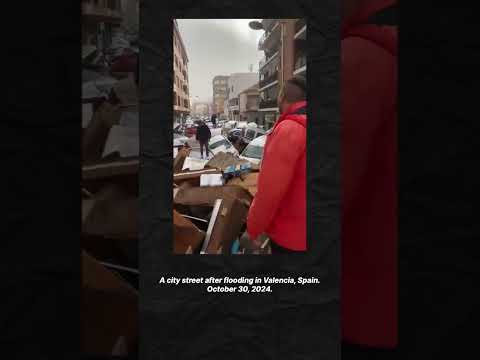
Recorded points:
101,13
268,80
267,60
268,104
300,64
299,25
270,39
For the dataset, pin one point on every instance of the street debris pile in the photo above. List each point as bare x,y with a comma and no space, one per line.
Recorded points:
211,199
110,165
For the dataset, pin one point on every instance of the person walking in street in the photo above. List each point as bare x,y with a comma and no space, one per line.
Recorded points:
214,120
279,207
203,137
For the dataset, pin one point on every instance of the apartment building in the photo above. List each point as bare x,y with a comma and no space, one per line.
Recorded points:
248,104
100,18
237,83
201,108
219,84
181,97
284,45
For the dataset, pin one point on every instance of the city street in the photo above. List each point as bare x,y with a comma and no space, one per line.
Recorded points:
195,153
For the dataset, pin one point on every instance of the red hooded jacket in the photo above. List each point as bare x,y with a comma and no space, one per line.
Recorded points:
369,160
280,204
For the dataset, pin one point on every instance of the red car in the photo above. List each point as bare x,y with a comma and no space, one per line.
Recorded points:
190,130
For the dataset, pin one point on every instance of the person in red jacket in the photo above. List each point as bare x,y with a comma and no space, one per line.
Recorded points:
279,207
369,160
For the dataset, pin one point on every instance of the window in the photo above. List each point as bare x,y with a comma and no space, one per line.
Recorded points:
223,142
253,151
250,134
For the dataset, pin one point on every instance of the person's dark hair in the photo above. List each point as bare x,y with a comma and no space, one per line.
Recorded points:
295,89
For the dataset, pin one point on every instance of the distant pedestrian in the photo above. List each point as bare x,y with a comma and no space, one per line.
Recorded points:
214,120
203,137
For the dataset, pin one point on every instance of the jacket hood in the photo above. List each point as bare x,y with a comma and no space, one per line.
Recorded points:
291,114
365,10
357,25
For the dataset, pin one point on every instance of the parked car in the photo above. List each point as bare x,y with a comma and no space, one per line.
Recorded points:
190,130
227,126
220,143
242,124
252,133
253,152
179,140
234,135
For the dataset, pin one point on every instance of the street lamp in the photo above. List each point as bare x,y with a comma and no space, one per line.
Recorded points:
255,25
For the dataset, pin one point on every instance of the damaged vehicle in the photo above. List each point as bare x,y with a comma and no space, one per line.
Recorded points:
220,143
254,150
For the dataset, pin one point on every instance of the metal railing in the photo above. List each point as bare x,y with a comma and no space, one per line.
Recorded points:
300,61
268,80
299,25
265,104
266,60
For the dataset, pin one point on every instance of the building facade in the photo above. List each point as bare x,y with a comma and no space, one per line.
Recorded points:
249,100
219,84
284,46
100,19
181,97
237,83
201,108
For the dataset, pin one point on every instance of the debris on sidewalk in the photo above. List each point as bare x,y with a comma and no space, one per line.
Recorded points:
223,160
248,182
109,186
180,157
194,164
109,309
192,177
186,234
211,180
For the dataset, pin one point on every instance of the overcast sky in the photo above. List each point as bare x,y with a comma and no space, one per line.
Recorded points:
217,47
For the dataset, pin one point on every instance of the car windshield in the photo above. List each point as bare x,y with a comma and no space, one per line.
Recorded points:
220,143
250,134
253,151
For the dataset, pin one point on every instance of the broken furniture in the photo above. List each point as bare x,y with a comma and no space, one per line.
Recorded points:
109,311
